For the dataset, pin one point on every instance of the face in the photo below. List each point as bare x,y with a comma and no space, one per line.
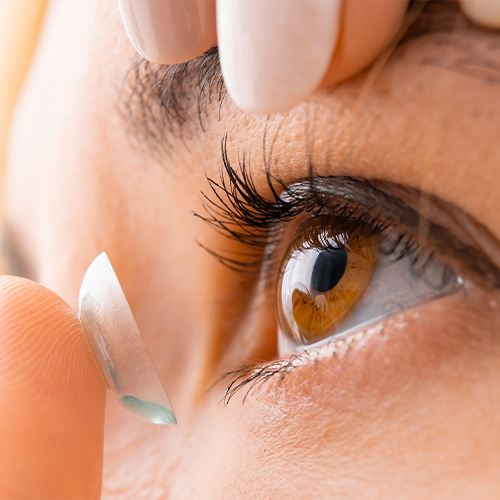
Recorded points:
404,407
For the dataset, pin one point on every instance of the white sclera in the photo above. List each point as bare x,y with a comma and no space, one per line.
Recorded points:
118,345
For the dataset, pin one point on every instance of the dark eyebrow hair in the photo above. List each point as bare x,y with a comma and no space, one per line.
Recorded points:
161,103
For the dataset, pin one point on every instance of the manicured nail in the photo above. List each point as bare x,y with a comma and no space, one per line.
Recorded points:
274,53
483,12
169,31
118,345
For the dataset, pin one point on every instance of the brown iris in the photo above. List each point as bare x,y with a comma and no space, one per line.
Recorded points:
326,270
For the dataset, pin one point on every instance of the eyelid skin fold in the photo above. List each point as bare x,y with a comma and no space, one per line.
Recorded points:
118,345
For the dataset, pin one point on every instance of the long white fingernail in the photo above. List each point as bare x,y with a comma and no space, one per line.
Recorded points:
169,31
483,12
274,53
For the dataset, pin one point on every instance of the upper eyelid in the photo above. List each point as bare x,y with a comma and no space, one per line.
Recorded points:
453,235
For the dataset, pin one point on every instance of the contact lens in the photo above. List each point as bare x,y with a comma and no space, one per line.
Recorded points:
118,345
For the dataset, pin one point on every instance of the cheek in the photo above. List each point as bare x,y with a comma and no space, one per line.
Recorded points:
415,404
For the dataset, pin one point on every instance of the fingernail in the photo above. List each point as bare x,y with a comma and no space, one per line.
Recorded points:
274,53
483,12
169,31
118,345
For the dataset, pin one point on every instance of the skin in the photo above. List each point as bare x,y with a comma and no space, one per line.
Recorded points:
407,409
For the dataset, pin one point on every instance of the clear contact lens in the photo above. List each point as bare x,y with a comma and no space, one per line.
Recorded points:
118,345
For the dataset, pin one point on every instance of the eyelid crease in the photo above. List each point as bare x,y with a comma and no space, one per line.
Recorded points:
475,236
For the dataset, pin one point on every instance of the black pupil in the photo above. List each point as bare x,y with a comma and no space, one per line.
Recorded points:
328,269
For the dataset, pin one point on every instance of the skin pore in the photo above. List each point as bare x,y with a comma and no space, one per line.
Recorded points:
404,409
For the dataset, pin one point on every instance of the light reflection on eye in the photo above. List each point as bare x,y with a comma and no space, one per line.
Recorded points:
338,275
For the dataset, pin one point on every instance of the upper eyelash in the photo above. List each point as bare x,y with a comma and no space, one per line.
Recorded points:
239,212
245,215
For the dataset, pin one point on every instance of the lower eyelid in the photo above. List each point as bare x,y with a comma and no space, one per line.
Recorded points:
409,347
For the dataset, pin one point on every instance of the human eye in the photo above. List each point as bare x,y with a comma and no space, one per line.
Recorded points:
340,273
353,252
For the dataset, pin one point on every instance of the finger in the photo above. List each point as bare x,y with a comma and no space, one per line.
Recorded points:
482,12
52,398
274,53
368,26
169,31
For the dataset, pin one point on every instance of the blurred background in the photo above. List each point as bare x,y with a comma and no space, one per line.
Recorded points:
20,24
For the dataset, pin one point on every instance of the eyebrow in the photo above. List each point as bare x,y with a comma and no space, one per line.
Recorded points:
160,104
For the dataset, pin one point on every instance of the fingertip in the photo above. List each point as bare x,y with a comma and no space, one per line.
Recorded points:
482,12
367,27
52,395
169,31
274,54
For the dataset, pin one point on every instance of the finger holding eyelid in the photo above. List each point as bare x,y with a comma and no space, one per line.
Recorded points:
275,54
482,12
367,28
169,31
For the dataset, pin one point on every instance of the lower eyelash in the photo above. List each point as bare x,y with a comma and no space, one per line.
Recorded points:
251,376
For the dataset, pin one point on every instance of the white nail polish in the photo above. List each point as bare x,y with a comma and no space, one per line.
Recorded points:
169,31
274,53
482,12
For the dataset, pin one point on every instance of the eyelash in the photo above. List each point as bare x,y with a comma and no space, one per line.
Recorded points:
238,211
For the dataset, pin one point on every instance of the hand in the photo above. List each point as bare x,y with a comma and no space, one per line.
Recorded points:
265,47
275,53
52,396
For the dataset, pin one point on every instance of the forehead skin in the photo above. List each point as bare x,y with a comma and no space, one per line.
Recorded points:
404,414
